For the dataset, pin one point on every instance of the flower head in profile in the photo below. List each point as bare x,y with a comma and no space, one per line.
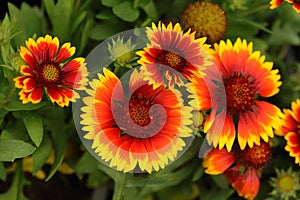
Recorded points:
242,168
276,3
173,55
206,18
133,126
122,52
47,70
290,129
246,78
285,185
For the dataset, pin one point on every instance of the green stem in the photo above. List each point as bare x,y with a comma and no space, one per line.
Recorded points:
116,69
119,186
282,53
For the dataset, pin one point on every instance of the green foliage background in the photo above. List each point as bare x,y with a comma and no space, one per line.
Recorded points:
35,129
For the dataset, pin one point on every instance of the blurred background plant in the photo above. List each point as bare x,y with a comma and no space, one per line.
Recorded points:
41,155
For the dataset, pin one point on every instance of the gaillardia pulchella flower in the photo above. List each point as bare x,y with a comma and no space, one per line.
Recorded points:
206,18
173,55
290,129
285,184
276,3
133,126
47,69
242,168
246,78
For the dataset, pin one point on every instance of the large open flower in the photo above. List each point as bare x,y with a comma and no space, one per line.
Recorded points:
276,3
246,77
290,129
242,168
46,69
172,55
133,126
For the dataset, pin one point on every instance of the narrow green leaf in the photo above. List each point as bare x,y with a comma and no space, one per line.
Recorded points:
2,172
78,21
41,155
56,124
85,35
34,126
11,149
16,190
49,5
3,113
126,11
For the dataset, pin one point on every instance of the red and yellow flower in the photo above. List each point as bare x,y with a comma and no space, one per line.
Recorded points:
242,168
245,76
290,129
142,131
276,3
173,55
47,69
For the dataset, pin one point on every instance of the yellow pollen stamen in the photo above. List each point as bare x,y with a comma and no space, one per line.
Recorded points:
171,59
50,73
240,94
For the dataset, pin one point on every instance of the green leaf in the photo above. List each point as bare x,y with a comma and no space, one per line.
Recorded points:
221,181
2,172
56,123
11,149
86,164
3,113
28,21
16,190
34,126
15,130
150,10
126,11
106,29
41,155
78,21
105,15
85,35
15,104
110,3
140,3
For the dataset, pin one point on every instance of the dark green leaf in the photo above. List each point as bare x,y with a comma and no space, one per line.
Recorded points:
150,10
105,15
106,29
15,129
3,113
12,149
41,155
126,11
34,126
110,3
220,181
86,164
2,172
140,3
16,190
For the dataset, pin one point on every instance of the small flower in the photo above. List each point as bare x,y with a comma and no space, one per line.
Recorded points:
245,76
172,54
290,129
122,53
206,18
47,69
142,130
276,3
242,168
285,185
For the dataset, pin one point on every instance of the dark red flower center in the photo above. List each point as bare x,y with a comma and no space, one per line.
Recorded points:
139,107
255,157
171,59
240,94
48,75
